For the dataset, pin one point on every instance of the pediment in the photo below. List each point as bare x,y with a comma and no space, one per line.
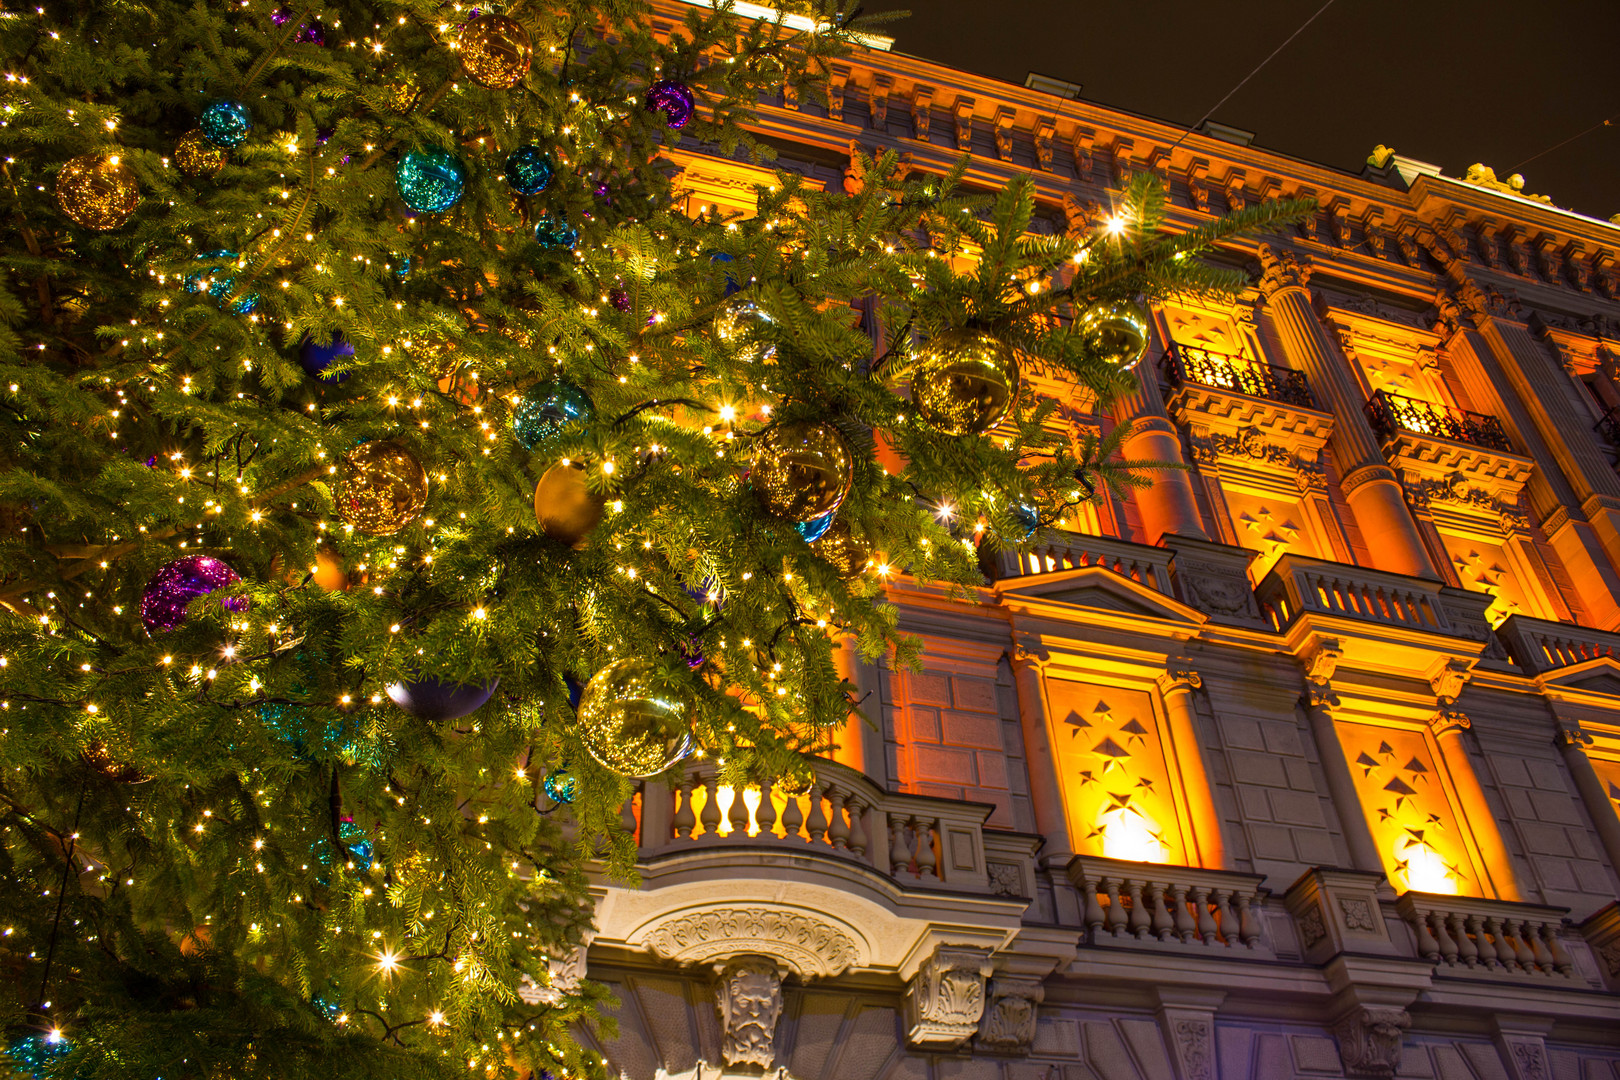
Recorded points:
1099,589
1599,676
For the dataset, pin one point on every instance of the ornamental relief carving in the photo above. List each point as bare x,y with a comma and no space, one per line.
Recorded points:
1357,914
1311,927
945,1000
1193,1047
1370,1040
808,946
749,1000
1008,1026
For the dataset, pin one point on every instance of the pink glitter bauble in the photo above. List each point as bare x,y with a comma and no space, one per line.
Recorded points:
674,99
178,583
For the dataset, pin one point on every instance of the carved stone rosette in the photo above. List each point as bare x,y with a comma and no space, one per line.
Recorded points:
945,999
748,997
1370,1040
1008,1025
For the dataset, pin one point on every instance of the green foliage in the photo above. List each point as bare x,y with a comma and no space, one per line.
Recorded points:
180,874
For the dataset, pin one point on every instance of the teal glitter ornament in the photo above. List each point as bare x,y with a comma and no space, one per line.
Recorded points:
560,785
1027,516
554,233
226,124
33,1054
218,280
528,169
546,408
430,180
815,528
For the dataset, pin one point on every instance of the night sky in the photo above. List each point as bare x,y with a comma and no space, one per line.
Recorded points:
1443,81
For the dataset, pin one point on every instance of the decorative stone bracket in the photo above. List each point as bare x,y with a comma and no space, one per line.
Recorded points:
945,999
1370,1040
1008,1025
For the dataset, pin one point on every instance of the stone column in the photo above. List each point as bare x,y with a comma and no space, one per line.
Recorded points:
1370,486
1177,685
1572,743
1319,704
1475,813
860,743
1168,507
1045,789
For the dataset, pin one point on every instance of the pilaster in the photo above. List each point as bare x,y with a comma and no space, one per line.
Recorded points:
1178,685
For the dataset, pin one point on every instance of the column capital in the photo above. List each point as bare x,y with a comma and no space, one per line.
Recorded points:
1367,473
1283,271
1179,677
1572,737
1448,720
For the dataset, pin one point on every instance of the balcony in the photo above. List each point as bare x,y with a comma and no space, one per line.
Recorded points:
1486,938
1184,364
1391,414
1179,908
1149,566
1538,646
1608,426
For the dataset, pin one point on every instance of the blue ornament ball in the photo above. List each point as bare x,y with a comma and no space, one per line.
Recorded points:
226,124
430,180
554,233
432,700
402,266
528,170
732,285
815,528
545,409
315,358
219,279
1028,516
560,785
575,690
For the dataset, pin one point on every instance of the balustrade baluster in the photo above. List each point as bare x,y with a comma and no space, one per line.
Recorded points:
1428,947
1505,953
1522,952
1163,926
1248,924
1140,922
765,815
1228,921
1116,907
1185,926
899,845
1538,948
857,826
792,818
1094,909
737,815
1486,950
1206,921
926,860
1448,948
817,825
711,809
1466,949
1563,963
685,820
838,830
627,815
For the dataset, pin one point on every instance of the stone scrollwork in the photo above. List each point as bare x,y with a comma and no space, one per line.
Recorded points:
1370,1040
749,1000
1194,1046
1008,1025
1282,270
808,946
945,1000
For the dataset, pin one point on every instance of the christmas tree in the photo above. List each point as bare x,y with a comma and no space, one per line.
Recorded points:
392,471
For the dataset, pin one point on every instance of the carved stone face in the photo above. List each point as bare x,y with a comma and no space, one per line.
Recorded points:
750,1003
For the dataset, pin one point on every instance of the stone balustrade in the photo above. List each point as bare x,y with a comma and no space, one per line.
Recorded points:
1464,934
1297,585
1537,645
1146,904
1145,565
914,839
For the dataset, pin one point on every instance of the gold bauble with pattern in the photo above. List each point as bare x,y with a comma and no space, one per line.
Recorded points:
195,156
802,470
849,554
965,382
382,488
496,51
1115,332
632,721
565,507
97,191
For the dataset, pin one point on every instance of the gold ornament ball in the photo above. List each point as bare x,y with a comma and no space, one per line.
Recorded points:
849,554
965,382
382,489
566,509
632,722
802,470
496,51
796,779
194,155
1116,331
97,191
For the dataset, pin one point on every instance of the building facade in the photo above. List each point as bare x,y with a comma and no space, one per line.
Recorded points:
1304,762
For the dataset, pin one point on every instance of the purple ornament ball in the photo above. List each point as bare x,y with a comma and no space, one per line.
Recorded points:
315,358
178,583
620,299
429,699
672,98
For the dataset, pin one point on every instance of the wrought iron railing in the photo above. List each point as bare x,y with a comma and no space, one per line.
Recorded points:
1390,413
1608,426
1224,371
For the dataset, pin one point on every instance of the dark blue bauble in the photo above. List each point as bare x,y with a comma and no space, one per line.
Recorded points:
430,180
315,358
555,234
430,699
360,853
528,169
226,124
560,786
546,408
815,528
706,592
1028,516
575,690
732,285
219,279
